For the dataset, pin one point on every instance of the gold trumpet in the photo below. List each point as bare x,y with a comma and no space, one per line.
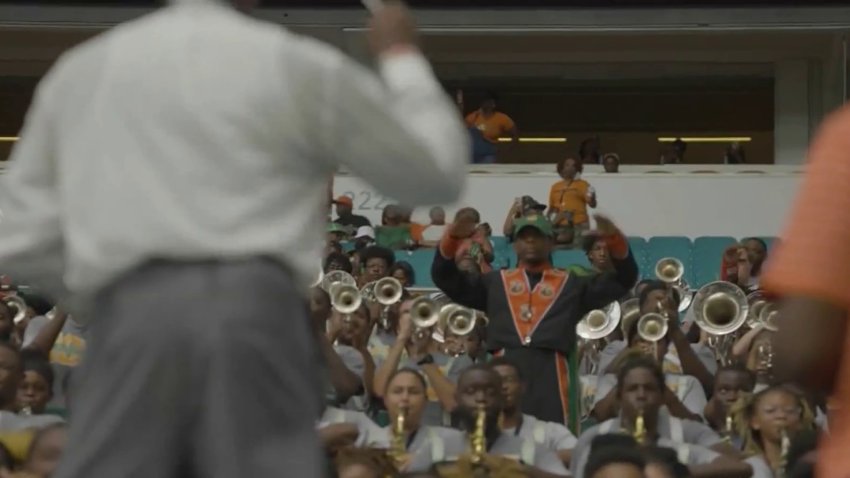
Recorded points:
336,277
457,319
652,327
599,323
388,291
18,306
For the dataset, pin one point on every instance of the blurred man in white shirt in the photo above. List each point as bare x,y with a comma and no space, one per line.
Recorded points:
170,185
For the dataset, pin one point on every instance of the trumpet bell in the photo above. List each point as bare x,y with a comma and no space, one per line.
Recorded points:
720,308
424,312
652,327
599,323
387,291
669,269
18,306
336,277
768,315
686,295
630,311
345,298
458,320
756,300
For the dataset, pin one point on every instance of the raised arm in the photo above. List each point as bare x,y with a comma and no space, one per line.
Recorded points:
604,288
465,289
400,132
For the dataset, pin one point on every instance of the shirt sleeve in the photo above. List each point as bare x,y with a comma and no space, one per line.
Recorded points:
700,434
553,196
694,398
398,131
811,260
548,461
507,123
558,437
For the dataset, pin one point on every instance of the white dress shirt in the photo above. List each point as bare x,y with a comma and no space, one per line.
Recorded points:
197,132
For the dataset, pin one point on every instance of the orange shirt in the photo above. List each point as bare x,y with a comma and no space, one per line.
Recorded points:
812,260
571,197
492,127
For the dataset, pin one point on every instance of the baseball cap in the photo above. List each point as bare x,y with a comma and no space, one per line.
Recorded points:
536,221
344,200
365,231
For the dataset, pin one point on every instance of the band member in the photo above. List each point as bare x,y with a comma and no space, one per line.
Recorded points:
534,308
731,383
640,392
479,388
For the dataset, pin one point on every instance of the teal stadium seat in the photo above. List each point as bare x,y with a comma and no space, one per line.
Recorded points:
500,243
421,261
706,256
640,249
564,259
669,246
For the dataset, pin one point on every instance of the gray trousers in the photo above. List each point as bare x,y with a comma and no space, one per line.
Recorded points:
198,369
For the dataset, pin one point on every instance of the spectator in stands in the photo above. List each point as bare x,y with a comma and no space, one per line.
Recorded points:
36,388
476,249
521,207
394,231
346,217
588,151
428,235
674,153
735,154
742,264
332,247
404,272
336,233
597,253
337,261
11,375
486,126
611,163
568,203
376,261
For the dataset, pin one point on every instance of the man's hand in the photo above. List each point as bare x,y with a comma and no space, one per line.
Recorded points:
464,225
392,29
605,226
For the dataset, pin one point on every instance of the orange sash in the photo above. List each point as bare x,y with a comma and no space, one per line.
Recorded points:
528,307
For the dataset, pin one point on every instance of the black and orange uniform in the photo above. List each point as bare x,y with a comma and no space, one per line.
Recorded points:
533,317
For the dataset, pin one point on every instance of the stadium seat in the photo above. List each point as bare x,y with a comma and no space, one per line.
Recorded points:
563,259
639,248
706,256
500,243
769,240
421,261
669,246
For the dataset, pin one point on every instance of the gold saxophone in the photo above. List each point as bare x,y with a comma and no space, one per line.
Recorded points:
786,446
478,440
640,429
729,430
398,448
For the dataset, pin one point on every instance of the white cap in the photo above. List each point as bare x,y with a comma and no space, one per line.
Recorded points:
365,231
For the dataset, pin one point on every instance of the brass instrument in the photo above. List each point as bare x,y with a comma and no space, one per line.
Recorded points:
18,306
345,298
720,308
398,448
388,291
595,326
639,432
336,277
756,300
599,323
671,271
729,429
785,447
652,327
457,319
629,312
424,314
764,361
768,315
478,440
